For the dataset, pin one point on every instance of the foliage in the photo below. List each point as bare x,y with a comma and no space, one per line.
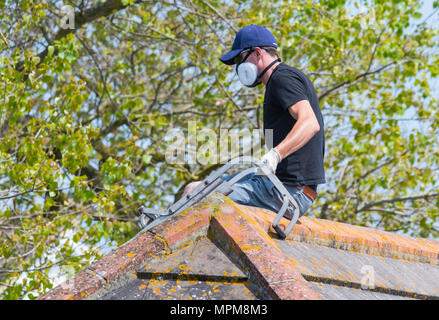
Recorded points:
84,113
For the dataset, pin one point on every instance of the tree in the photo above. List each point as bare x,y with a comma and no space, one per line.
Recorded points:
85,114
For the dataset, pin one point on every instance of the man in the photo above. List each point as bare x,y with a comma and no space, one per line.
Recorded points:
291,110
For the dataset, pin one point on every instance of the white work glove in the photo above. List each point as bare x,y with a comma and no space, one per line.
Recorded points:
271,160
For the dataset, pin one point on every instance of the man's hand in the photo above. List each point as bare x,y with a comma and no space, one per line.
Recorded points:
271,159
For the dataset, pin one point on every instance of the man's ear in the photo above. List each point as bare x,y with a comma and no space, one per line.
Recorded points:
258,51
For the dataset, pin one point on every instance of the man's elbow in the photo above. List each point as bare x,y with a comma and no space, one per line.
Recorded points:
315,127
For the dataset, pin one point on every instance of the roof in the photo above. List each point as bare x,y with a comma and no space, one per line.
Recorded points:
221,250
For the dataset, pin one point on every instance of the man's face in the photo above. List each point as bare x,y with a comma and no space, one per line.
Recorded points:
240,57
249,55
256,57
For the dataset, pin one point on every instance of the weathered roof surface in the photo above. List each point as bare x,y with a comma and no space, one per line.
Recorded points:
222,250
199,270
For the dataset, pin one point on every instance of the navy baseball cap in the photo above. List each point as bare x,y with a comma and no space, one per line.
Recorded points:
247,37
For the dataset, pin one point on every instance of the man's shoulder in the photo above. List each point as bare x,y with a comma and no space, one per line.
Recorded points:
286,71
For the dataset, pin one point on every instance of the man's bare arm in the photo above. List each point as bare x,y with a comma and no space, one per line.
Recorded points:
304,129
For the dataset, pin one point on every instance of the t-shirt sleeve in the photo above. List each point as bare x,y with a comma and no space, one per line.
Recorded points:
288,89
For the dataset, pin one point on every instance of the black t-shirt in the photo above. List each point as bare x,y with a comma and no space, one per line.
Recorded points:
287,86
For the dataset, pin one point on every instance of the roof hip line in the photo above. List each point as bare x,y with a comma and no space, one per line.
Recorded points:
380,289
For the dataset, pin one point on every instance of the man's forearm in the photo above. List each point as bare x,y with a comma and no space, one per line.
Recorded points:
301,133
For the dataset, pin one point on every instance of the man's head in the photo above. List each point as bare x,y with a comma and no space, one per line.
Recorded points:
254,49
249,37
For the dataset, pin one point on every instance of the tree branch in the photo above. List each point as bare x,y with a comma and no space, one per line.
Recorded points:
397,199
362,75
81,18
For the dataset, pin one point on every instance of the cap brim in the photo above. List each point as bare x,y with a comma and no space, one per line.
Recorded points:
230,56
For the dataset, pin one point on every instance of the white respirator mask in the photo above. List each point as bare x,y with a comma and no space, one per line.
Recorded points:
248,72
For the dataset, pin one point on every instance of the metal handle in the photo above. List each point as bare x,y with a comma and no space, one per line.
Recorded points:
213,183
287,198
280,232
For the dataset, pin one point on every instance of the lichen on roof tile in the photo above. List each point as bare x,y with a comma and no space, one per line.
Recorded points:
219,249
